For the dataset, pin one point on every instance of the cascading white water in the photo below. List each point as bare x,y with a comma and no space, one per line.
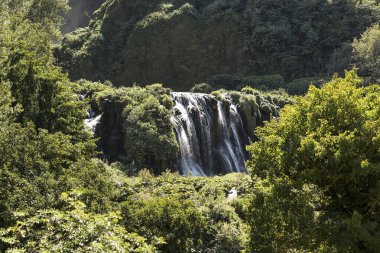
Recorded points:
92,120
210,134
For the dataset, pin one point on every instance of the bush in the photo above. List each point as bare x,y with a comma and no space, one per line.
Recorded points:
267,82
228,239
202,88
189,214
179,223
301,86
226,81
250,90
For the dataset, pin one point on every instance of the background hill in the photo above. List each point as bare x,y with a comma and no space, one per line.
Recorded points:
182,42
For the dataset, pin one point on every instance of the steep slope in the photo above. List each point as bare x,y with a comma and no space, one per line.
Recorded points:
182,42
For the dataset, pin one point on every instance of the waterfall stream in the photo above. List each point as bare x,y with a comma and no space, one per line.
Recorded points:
209,131
210,135
92,121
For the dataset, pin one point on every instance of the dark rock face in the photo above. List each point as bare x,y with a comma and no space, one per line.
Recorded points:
110,130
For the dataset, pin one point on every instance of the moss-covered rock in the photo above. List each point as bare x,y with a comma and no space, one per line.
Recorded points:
255,106
135,127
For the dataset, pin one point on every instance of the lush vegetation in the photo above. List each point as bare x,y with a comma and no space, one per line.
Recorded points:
315,167
149,139
187,214
316,172
56,196
45,152
181,43
366,53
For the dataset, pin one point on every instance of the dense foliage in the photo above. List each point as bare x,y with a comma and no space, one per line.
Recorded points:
147,134
297,38
187,214
366,52
41,128
202,88
44,148
317,172
180,43
71,229
301,86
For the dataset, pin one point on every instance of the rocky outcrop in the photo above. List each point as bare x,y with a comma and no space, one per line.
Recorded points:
211,131
110,129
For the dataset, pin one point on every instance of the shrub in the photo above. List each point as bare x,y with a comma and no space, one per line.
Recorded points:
267,82
162,208
228,239
250,90
178,222
301,86
226,81
202,88
367,52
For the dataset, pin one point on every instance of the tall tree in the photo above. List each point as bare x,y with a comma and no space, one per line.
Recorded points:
317,172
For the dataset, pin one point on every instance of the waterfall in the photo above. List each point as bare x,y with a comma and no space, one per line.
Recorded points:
92,121
210,135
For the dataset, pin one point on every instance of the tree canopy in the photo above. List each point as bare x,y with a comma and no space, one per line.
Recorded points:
317,172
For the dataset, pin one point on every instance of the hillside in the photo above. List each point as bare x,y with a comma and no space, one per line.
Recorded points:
180,43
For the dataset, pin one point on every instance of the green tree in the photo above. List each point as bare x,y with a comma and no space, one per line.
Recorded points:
72,229
367,53
46,14
178,222
28,65
290,38
317,172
